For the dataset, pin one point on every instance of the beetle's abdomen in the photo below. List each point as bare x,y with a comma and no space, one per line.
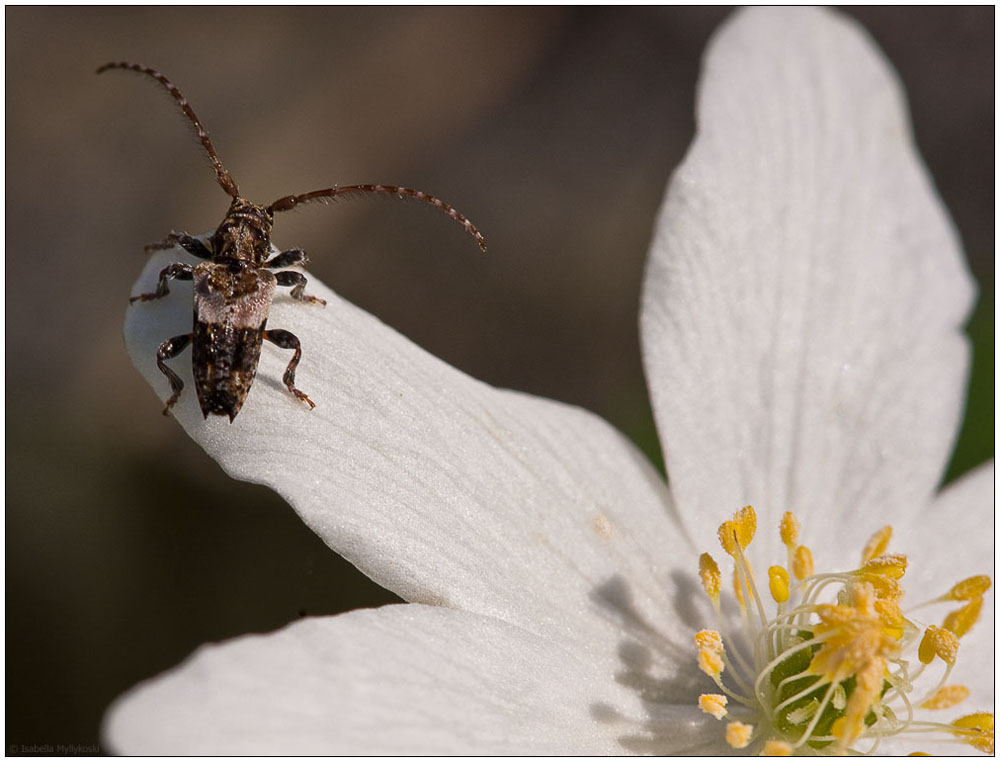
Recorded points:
225,363
230,313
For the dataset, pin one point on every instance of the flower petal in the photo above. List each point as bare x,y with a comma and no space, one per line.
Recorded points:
406,679
437,486
805,290
953,537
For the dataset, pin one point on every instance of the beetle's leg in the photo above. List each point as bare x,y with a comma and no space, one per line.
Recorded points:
289,258
190,244
177,270
298,282
287,340
168,349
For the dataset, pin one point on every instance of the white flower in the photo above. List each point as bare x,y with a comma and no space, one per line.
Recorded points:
801,327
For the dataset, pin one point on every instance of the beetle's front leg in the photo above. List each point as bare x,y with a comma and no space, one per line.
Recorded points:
189,243
287,340
298,282
177,270
168,349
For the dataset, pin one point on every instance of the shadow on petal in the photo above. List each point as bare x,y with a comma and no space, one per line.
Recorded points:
661,671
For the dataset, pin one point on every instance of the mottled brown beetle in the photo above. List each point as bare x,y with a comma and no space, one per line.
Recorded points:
234,289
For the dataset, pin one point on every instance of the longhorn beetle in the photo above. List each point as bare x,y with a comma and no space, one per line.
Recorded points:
234,289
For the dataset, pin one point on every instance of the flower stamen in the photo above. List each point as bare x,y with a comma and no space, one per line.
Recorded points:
877,545
961,621
738,734
802,563
713,704
833,666
946,697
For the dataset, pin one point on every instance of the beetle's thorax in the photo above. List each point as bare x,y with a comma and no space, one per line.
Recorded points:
245,233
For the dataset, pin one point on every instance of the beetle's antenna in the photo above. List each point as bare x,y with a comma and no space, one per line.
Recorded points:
286,203
225,179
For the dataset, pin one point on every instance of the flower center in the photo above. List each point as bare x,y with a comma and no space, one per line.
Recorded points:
832,664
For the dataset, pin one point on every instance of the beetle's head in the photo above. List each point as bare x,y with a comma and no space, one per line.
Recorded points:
245,233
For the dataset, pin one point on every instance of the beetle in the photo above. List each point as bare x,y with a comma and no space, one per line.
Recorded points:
234,287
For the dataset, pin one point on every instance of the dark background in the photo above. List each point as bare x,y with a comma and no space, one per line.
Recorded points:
555,130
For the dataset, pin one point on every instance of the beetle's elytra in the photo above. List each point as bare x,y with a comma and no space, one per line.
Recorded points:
234,287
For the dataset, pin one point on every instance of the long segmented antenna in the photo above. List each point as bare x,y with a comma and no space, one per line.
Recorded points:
288,202
225,179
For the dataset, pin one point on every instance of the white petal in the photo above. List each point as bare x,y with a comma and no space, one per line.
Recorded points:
953,537
405,679
805,288
437,486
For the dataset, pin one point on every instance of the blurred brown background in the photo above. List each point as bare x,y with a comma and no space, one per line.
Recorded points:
555,130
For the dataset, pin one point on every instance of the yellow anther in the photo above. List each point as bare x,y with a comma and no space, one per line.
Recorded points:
736,534
746,525
711,577
977,731
738,734
778,582
890,613
918,754
777,749
978,721
940,642
789,530
946,697
891,616
968,589
983,742
877,545
727,538
961,621
710,663
709,640
925,651
802,563
710,650
891,565
713,704
885,587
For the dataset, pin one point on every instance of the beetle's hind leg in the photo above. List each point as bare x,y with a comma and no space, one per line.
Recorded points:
287,340
169,349
177,270
298,283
